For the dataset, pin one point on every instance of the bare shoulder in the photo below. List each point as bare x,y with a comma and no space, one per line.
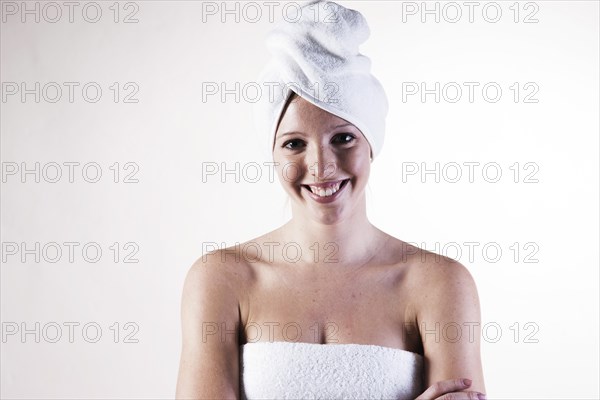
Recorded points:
229,260
446,309
434,284
431,272
210,317
228,270
223,269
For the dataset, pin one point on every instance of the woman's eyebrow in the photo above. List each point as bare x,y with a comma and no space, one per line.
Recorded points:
303,134
292,133
341,126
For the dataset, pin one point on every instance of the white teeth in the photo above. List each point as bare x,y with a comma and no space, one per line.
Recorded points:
325,192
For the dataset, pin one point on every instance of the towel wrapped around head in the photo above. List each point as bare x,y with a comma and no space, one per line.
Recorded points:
316,55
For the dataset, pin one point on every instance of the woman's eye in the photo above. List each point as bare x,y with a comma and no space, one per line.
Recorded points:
293,144
344,138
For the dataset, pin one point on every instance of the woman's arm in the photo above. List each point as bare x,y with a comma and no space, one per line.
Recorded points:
209,366
449,323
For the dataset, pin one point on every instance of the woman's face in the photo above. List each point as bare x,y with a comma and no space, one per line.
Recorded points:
323,162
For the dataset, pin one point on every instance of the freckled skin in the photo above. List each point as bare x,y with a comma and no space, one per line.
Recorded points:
317,159
350,283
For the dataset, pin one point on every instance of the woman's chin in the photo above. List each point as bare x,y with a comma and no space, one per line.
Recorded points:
325,215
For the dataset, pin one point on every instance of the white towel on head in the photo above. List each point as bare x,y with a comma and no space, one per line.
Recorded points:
317,56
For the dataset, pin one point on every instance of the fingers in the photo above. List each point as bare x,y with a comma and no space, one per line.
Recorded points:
442,387
450,390
462,396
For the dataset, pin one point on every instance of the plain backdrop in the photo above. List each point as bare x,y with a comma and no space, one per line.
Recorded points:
109,327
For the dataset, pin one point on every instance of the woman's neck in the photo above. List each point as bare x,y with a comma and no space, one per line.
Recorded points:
346,243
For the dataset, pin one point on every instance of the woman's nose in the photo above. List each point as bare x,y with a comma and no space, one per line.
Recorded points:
321,163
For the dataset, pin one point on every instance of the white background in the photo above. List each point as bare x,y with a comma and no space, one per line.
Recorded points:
170,133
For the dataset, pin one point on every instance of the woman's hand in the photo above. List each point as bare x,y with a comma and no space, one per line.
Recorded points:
449,390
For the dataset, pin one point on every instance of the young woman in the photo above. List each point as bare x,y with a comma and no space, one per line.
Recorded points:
328,305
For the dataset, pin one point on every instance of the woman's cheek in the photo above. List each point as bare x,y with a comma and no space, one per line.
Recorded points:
289,172
358,164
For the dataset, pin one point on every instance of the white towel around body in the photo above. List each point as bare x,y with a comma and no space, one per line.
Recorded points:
294,370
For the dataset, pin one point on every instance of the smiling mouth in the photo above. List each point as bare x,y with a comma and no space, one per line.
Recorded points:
326,191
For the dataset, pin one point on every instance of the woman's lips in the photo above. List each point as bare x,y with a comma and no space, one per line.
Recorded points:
326,193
